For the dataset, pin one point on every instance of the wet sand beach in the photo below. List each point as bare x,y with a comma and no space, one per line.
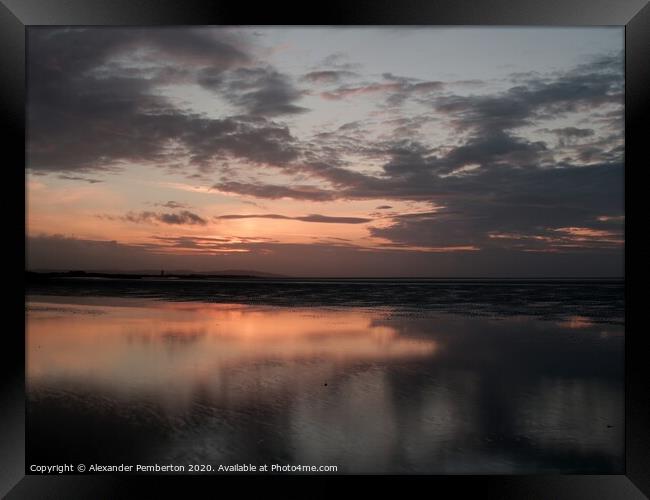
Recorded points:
371,387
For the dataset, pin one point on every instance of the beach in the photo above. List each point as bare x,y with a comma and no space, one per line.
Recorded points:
373,377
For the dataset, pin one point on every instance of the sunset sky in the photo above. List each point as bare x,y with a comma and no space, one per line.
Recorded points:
327,151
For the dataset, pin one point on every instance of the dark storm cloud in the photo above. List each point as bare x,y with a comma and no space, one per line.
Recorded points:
495,149
305,218
469,229
259,91
143,138
274,192
586,87
260,140
513,187
87,111
76,50
532,202
498,187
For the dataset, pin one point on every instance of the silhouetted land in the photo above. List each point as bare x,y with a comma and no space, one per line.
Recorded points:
36,276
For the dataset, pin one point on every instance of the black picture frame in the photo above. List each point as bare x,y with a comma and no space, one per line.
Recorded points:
17,15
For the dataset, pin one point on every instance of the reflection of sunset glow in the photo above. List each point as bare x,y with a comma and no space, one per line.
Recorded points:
168,345
379,390
577,322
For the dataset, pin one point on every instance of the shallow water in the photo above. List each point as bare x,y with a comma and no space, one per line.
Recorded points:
381,389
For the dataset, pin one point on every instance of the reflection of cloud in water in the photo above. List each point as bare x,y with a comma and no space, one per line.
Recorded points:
587,413
170,348
370,390
380,431
442,419
57,310
358,413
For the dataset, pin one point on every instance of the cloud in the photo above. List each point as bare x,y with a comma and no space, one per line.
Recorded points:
327,76
535,203
274,192
94,102
95,105
344,92
306,218
399,90
496,178
259,91
172,204
587,86
339,61
79,178
336,220
570,135
145,137
184,217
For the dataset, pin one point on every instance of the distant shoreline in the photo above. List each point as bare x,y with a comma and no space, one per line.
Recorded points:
81,275
171,276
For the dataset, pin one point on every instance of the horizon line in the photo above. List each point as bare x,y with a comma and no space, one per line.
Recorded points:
225,273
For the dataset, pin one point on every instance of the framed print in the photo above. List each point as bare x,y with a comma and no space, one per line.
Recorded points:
376,242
